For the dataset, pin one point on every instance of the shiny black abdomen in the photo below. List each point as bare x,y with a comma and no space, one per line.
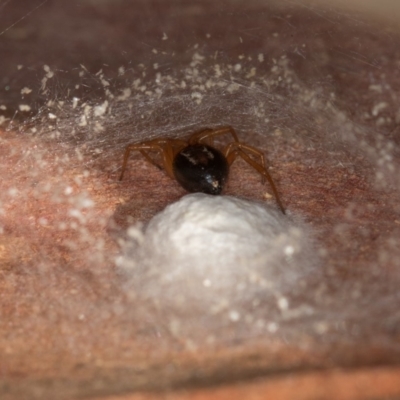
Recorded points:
201,168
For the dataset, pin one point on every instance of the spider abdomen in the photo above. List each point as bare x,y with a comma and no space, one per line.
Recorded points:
201,168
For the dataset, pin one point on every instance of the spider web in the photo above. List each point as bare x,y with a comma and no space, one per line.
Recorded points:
67,120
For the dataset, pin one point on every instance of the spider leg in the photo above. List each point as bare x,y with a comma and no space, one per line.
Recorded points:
149,159
201,137
167,147
208,135
233,150
138,147
256,152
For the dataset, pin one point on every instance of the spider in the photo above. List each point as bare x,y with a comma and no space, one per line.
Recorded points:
197,165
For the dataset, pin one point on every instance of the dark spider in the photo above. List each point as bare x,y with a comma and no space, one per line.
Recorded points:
197,165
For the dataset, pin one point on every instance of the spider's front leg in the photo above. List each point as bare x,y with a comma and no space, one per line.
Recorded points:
207,135
166,147
141,147
235,149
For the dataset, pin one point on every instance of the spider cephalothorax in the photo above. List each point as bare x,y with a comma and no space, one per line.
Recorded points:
197,165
